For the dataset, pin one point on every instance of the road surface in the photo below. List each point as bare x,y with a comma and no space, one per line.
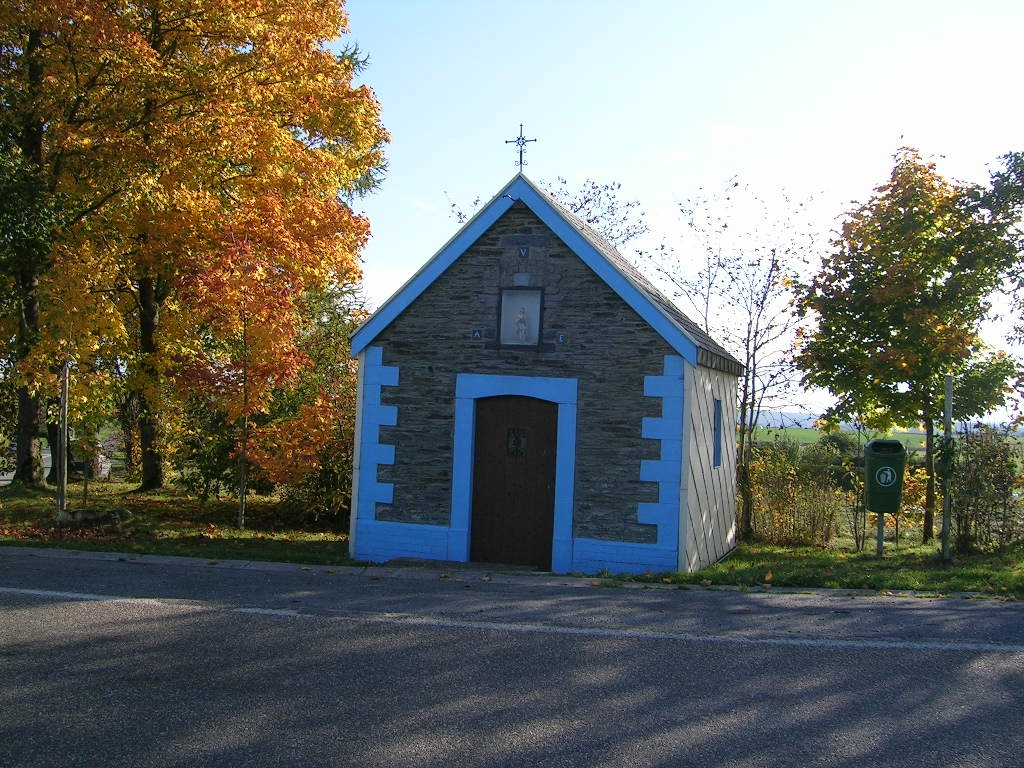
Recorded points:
113,660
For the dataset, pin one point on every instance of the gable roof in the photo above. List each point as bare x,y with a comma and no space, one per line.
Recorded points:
681,333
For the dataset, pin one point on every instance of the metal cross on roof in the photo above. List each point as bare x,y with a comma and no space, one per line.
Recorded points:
521,143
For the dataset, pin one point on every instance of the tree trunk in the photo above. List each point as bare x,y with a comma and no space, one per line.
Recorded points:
128,417
745,518
149,417
28,468
53,440
29,464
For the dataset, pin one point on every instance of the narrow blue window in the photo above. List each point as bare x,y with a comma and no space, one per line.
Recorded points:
718,433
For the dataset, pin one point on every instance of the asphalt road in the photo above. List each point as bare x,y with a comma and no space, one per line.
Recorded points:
110,660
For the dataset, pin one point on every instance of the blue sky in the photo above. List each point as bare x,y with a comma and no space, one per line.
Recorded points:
669,96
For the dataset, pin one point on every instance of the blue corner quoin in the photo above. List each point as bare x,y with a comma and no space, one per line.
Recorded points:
592,555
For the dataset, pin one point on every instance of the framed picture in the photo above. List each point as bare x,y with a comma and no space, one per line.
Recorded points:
520,317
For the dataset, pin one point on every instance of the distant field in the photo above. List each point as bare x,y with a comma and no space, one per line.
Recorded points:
914,441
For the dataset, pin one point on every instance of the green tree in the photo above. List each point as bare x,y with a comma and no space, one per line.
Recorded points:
1007,197
987,510
899,301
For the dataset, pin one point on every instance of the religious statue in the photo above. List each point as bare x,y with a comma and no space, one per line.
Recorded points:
522,326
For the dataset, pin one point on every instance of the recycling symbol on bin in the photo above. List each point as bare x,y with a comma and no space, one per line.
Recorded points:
885,476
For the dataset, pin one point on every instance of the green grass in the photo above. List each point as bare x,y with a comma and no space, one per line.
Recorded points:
800,435
805,436
916,568
169,522
166,522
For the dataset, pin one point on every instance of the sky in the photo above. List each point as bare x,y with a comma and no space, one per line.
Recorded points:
812,97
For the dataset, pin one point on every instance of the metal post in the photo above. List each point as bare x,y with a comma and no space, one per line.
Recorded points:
881,533
62,447
947,497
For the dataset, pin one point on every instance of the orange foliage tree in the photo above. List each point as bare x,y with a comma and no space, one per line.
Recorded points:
160,130
246,123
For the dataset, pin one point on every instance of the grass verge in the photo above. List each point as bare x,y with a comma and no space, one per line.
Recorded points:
916,568
169,522
166,522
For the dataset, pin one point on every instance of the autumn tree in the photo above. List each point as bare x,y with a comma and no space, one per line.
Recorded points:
57,138
735,271
898,303
244,315
305,446
136,141
234,110
248,306
274,390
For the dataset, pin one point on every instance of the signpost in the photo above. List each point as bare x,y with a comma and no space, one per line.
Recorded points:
947,497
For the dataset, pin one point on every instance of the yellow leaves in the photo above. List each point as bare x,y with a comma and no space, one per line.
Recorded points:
209,154
828,426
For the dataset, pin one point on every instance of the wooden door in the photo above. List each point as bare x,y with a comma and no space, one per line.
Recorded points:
514,481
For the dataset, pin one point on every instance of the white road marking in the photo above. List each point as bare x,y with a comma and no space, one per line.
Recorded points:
548,629
81,596
269,612
636,634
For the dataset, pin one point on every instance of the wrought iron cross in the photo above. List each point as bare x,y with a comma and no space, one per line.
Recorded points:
521,143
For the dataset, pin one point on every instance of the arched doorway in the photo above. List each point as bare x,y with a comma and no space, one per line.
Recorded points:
515,447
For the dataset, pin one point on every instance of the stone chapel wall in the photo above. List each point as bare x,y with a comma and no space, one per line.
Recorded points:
589,333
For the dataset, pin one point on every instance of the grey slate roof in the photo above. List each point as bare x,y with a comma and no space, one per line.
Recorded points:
710,353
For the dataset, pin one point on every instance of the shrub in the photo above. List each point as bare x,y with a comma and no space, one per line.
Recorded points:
797,498
986,488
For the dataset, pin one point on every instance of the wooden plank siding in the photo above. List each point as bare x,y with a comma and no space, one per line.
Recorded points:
710,493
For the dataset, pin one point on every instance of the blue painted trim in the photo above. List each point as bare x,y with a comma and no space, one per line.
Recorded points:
378,541
595,555
717,438
371,452
667,470
356,456
468,388
432,270
462,472
520,188
477,385
383,540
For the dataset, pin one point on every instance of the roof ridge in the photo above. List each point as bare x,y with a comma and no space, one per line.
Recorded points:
719,356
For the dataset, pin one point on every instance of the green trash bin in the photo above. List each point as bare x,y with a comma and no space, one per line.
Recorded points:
884,462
